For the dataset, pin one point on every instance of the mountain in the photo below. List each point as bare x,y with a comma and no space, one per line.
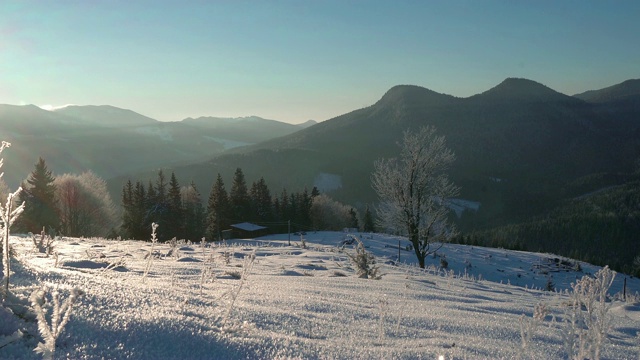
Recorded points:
519,147
111,141
306,124
625,90
517,90
106,115
243,128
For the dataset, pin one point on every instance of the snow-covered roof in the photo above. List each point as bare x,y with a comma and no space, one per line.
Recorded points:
248,226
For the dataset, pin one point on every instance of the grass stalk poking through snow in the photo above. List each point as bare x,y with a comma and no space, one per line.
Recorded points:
154,241
59,317
528,328
246,270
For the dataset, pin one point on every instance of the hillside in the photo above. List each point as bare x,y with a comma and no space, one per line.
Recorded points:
214,301
600,227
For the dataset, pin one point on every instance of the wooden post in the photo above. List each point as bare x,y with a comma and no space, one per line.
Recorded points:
289,230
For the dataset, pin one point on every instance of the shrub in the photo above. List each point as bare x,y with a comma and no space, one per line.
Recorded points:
364,262
44,244
585,331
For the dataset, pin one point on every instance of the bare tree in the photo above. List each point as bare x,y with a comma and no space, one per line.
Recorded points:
86,209
414,191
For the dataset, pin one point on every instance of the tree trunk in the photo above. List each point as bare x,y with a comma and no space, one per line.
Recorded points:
416,248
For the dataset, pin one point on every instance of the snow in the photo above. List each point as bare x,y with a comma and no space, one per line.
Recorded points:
302,303
248,226
327,182
226,143
162,133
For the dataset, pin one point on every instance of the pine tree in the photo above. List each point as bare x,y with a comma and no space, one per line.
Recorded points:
194,214
239,198
175,212
140,212
40,204
305,207
285,213
159,209
126,228
218,209
368,225
261,209
353,219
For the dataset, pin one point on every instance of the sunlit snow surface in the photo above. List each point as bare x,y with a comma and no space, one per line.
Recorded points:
304,303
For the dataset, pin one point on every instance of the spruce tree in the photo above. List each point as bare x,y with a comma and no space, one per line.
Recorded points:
141,220
175,213
261,209
353,223
218,209
126,228
159,210
40,202
194,213
239,198
368,225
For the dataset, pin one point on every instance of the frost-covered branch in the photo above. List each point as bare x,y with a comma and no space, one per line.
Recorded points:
8,216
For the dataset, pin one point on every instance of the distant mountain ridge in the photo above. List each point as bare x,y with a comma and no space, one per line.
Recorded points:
106,115
519,146
113,141
625,90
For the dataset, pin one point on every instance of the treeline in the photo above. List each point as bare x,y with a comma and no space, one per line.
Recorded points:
69,204
601,228
181,212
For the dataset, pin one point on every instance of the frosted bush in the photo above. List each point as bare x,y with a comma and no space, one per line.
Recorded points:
585,331
364,262
43,243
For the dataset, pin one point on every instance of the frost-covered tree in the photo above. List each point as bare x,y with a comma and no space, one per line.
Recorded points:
329,214
39,195
84,205
414,190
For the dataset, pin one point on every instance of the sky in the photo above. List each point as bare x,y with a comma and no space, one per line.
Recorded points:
298,60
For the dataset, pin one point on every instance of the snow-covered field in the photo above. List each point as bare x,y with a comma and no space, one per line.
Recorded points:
304,303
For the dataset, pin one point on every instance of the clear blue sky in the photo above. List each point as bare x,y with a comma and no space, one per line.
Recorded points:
304,59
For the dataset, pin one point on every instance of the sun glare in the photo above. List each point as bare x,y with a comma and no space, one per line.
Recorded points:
50,107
